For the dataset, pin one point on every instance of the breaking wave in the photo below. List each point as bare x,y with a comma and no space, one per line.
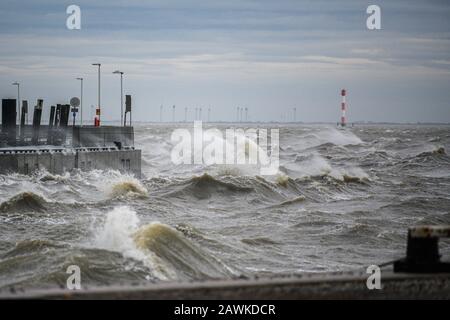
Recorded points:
178,253
315,165
204,186
164,250
436,152
327,137
426,159
282,180
24,202
45,176
128,188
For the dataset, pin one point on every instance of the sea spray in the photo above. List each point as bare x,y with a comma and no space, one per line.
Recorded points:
113,183
315,165
282,179
117,234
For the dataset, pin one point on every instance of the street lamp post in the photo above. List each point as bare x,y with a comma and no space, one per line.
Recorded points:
121,95
81,102
18,99
99,108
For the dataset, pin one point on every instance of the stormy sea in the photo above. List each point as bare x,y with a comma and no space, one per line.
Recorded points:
342,200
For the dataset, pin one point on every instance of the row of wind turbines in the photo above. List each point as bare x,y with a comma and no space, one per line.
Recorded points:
242,114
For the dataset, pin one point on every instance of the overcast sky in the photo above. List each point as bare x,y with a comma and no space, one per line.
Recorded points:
268,56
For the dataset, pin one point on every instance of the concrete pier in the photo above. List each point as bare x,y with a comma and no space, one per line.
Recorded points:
58,148
56,160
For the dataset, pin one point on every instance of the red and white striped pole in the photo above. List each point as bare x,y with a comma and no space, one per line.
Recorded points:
343,108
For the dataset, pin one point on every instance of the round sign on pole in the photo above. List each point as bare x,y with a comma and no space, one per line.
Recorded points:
75,102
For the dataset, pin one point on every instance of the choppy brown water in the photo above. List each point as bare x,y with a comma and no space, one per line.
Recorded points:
342,200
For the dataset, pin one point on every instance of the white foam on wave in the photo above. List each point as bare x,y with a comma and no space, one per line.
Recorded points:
161,248
339,137
116,234
327,135
243,146
315,165
113,183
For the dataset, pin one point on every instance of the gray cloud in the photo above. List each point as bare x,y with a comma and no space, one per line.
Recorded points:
267,55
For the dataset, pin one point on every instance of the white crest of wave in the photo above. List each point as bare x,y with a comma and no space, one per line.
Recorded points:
114,183
342,137
117,234
164,250
315,165
327,135
244,147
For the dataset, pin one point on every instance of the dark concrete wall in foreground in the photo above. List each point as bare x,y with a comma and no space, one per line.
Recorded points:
348,285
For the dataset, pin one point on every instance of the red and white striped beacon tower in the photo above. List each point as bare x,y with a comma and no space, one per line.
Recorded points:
343,108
